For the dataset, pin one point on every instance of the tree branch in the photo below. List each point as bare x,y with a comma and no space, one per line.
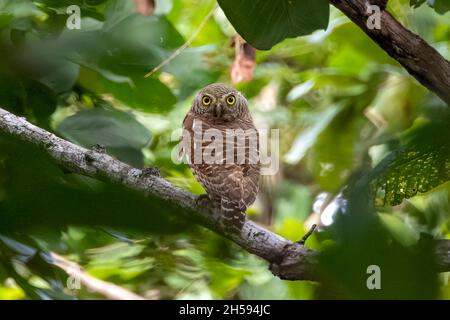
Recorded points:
288,260
106,289
421,60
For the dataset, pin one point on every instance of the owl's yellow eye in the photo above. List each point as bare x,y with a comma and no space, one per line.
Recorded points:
206,100
231,100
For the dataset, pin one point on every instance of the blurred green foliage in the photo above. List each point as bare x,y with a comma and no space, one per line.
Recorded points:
441,6
351,120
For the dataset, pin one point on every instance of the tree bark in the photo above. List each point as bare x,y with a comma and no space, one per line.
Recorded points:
420,59
288,260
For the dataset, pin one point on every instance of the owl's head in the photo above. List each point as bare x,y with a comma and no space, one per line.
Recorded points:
220,102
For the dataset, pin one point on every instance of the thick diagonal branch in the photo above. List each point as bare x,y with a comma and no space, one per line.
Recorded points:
287,259
420,59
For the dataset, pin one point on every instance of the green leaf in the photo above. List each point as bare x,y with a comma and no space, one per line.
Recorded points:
200,73
304,141
18,8
125,25
399,229
265,23
333,151
146,94
107,127
94,2
5,19
416,3
440,6
40,99
13,94
420,165
46,63
62,78
115,58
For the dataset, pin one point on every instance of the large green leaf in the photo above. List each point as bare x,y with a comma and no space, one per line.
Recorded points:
116,55
40,99
141,93
108,127
119,132
17,8
442,6
333,151
265,23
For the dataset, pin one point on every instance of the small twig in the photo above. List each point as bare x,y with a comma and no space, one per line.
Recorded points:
184,46
307,235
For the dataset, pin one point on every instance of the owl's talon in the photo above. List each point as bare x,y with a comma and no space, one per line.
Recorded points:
202,200
100,148
151,171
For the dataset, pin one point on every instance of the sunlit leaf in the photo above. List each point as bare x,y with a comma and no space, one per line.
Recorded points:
420,165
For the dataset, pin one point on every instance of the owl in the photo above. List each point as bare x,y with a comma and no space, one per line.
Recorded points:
221,145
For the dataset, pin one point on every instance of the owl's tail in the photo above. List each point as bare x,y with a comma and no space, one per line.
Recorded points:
233,215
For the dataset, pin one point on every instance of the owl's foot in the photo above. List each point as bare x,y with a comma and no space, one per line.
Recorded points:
203,200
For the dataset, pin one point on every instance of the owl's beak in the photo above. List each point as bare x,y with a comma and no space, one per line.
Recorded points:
217,111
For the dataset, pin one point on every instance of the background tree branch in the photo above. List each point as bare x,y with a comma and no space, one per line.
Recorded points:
287,259
420,59
104,288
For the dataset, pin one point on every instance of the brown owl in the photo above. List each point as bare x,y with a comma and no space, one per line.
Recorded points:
221,146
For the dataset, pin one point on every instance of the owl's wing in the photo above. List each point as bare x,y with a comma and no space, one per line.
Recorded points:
184,147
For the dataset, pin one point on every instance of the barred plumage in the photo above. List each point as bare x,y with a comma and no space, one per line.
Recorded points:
232,180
